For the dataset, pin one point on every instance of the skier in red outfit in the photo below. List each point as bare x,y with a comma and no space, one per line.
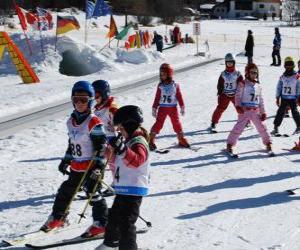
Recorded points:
227,85
165,104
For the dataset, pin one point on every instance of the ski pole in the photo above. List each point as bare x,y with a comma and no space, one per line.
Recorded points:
99,180
81,181
148,223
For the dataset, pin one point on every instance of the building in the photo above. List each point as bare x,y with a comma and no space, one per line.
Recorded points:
242,8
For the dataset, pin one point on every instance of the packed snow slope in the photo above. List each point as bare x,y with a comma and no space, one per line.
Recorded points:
199,200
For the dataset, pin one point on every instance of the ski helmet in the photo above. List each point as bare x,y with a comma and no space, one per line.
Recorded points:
103,88
229,57
248,69
289,61
86,87
165,67
130,117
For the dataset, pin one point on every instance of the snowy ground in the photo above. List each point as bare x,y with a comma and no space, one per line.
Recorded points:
199,200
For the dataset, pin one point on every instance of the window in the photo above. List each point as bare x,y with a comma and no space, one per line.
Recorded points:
261,6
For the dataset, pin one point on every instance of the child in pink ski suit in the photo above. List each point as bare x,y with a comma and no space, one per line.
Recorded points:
250,103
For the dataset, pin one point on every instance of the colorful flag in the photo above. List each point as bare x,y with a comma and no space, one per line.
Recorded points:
96,8
66,24
44,19
113,30
21,14
125,33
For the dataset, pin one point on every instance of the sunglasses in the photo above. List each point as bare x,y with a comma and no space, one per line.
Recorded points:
81,99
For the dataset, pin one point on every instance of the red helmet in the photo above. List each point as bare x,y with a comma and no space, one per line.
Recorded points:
165,67
248,68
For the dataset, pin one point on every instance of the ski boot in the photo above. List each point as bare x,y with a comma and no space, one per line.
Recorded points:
54,223
229,149
152,145
275,131
269,149
95,230
182,141
213,128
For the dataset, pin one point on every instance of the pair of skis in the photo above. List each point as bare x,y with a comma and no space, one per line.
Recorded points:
38,235
235,156
75,240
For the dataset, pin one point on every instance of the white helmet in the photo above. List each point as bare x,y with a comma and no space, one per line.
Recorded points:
229,57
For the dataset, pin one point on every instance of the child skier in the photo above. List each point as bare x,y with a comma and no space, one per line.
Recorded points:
105,107
250,104
227,85
86,135
131,178
287,95
165,104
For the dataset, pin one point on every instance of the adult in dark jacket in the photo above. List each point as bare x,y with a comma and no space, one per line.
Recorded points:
159,42
276,48
249,46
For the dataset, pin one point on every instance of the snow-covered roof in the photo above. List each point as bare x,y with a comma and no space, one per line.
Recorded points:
207,6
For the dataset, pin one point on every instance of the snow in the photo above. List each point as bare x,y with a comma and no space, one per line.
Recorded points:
198,200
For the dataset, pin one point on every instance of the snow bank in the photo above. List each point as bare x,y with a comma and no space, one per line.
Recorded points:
138,56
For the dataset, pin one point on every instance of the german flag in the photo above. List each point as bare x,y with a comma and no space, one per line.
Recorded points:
66,24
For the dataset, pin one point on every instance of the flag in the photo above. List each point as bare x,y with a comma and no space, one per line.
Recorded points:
44,19
113,30
22,17
125,33
66,24
96,8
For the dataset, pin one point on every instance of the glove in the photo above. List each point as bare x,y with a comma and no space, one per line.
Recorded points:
263,117
182,110
118,144
154,112
277,101
240,110
63,166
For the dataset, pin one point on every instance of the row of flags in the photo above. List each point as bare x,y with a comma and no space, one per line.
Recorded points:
42,20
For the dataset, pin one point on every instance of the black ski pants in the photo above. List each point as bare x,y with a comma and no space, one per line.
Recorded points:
276,54
65,194
122,216
292,103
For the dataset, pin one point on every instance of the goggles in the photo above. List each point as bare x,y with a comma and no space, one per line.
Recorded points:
81,99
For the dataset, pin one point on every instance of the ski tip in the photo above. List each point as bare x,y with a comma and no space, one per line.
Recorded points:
5,243
290,192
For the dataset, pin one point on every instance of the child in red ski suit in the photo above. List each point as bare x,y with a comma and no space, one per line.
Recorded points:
250,105
165,104
227,85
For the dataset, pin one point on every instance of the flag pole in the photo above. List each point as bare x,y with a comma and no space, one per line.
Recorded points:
26,37
27,42
41,39
106,45
56,33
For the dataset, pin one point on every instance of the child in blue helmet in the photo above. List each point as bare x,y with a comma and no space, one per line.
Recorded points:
105,107
86,135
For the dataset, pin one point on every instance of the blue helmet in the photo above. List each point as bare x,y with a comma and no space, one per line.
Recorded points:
103,87
86,87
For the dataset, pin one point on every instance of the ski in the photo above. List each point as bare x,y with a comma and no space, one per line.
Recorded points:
280,135
20,240
271,153
213,130
162,151
293,191
76,240
231,155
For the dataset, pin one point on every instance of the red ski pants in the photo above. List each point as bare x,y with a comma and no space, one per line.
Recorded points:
162,114
223,102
